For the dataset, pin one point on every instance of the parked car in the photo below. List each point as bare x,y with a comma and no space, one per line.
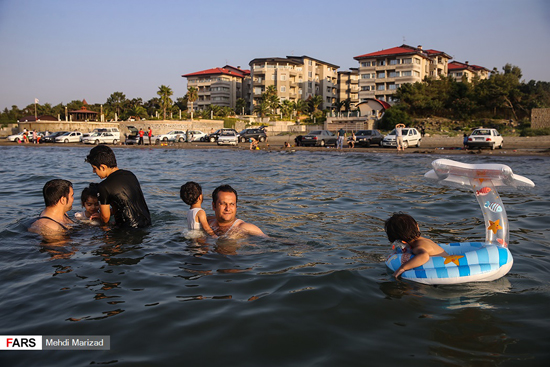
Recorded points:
411,137
51,138
133,137
196,135
69,137
100,138
366,138
319,138
214,136
174,135
485,138
228,138
258,134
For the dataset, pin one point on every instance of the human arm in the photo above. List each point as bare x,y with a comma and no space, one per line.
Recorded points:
252,230
201,215
104,213
421,257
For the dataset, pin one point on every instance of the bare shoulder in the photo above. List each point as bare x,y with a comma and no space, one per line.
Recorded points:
251,229
429,246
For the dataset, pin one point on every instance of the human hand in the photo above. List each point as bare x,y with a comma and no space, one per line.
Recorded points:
398,272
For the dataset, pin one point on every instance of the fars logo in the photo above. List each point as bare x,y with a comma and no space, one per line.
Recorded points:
20,342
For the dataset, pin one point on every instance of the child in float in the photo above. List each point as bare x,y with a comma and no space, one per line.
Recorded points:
403,227
90,203
191,194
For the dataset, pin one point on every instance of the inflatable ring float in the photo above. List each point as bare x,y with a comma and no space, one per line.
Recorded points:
469,261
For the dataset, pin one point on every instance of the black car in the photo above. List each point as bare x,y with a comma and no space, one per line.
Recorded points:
319,138
258,134
51,138
365,138
214,136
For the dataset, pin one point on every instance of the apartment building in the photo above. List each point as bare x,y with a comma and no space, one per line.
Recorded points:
219,86
463,71
348,86
295,77
382,72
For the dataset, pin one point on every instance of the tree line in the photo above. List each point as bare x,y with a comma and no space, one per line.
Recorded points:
502,96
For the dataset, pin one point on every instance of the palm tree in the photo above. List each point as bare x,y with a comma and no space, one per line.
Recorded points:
164,93
316,102
262,108
192,96
115,101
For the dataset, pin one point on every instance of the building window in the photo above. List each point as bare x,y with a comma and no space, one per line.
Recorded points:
416,73
273,77
365,64
393,74
381,74
416,60
365,76
309,74
381,62
299,91
406,73
392,87
394,62
283,77
366,88
408,60
380,87
283,89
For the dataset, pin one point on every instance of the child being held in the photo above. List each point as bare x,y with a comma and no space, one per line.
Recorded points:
404,228
90,203
191,194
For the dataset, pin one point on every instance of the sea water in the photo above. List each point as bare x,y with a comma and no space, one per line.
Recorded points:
317,293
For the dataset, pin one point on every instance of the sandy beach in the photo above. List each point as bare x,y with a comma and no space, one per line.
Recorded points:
438,144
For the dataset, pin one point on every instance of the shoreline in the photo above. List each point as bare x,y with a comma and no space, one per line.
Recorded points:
438,144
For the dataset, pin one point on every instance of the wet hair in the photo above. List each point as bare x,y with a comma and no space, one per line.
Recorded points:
102,154
90,191
223,188
190,192
56,189
401,226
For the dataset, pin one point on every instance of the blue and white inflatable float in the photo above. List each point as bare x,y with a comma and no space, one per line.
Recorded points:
469,261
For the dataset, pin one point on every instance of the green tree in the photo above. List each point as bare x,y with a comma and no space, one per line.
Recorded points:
262,108
165,93
240,106
393,116
192,95
115,102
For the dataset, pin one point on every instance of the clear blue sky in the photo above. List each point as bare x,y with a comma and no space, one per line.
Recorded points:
64,50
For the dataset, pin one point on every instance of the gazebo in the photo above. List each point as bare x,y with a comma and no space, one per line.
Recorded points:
83,114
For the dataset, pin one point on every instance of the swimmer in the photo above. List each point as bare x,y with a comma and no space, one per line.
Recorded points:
58,198
191,194
119,193
90,203
404,228
225,222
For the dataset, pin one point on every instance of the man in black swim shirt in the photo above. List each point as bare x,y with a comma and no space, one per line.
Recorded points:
119,193
53,221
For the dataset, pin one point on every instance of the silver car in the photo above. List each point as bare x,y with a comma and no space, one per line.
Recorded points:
228,138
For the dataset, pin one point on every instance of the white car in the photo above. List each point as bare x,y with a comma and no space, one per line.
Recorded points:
69,137
196,135
411,137
174,135
485,138
100,138
228,138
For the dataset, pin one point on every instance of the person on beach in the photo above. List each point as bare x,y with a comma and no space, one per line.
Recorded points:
149,134
352,140
402,227
341,136
465,141
90,203
119,193
58,198
141,133
191,194
253,144
225,222
399,136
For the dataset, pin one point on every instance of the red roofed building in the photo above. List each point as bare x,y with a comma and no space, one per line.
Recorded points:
83,114
382,72
463,71
219,86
